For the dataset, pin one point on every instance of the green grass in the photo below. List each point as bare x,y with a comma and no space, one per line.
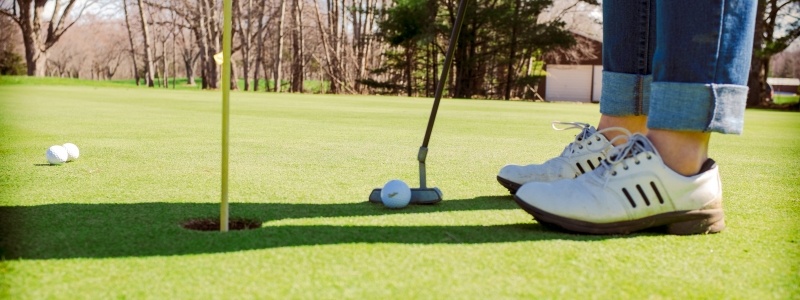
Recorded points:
311,86
786,99
108,225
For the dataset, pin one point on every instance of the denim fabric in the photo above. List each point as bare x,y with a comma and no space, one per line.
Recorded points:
625,94
699,66
678,108
629,36
628,47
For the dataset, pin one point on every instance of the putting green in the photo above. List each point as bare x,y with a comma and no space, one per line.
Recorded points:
108,225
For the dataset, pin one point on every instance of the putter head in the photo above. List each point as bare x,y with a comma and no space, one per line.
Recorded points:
418,196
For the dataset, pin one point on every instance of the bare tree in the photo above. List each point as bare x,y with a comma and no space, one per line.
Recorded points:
329,37
189,55
29,15
260,37
108,50
364,23
9,35
148,52
248,30
298,48
767,43
787,63
61,61
202,18
209,34
130,39
279,47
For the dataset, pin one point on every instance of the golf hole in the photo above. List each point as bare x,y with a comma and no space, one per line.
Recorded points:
209,224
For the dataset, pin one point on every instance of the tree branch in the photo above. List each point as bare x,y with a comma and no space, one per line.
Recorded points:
782,5
13,17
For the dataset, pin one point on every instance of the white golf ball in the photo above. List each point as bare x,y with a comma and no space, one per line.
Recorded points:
395,194
57,155
72,151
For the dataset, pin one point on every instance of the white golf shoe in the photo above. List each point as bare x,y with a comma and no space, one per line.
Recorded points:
632,190
581,156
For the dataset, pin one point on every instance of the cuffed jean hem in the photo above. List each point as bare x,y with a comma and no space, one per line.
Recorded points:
697,107
625,94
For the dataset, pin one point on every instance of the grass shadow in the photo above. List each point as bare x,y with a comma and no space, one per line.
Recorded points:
66,230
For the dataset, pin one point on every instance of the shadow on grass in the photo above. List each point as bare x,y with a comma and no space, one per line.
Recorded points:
154,229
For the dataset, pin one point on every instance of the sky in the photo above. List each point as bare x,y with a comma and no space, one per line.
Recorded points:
96,7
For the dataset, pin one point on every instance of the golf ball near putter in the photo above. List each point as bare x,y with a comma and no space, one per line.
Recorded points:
72,151
57,155
395,194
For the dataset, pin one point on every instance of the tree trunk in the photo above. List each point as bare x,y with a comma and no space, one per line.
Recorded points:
298,65
30,22
409,69
209,38
329,42
512,55
148,52
340,49
174,61
428,70
130,39
257,65
435,68
234,77
35,57
365,43
755,93
189,58
259,45
188,66
333,24
279,48
244,28
165,77
203,84
461,74
266,66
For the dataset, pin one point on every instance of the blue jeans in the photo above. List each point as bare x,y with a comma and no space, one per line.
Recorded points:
683,63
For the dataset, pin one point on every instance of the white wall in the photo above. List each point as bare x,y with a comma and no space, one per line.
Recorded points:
580,83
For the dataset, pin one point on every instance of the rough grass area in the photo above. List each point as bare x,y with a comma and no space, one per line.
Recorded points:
110,224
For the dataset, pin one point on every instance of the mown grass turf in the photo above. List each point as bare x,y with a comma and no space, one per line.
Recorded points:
108,225
786,99
311,86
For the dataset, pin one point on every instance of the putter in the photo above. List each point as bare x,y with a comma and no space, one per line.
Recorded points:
424,194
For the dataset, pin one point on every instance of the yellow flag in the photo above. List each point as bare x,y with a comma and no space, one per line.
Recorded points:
218,58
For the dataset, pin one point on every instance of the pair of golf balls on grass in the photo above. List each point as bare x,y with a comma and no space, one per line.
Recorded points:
59,154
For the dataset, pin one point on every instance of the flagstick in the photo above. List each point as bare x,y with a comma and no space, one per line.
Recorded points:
226,91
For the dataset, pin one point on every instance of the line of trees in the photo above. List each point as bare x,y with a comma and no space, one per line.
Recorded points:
353,46
772,17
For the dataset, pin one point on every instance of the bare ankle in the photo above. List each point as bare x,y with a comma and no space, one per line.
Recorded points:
634,124
682,151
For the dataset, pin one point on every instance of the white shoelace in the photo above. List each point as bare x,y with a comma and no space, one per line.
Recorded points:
582,138
621,154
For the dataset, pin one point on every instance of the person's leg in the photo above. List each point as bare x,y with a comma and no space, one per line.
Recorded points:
632,123
699,77
629,30
665,178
